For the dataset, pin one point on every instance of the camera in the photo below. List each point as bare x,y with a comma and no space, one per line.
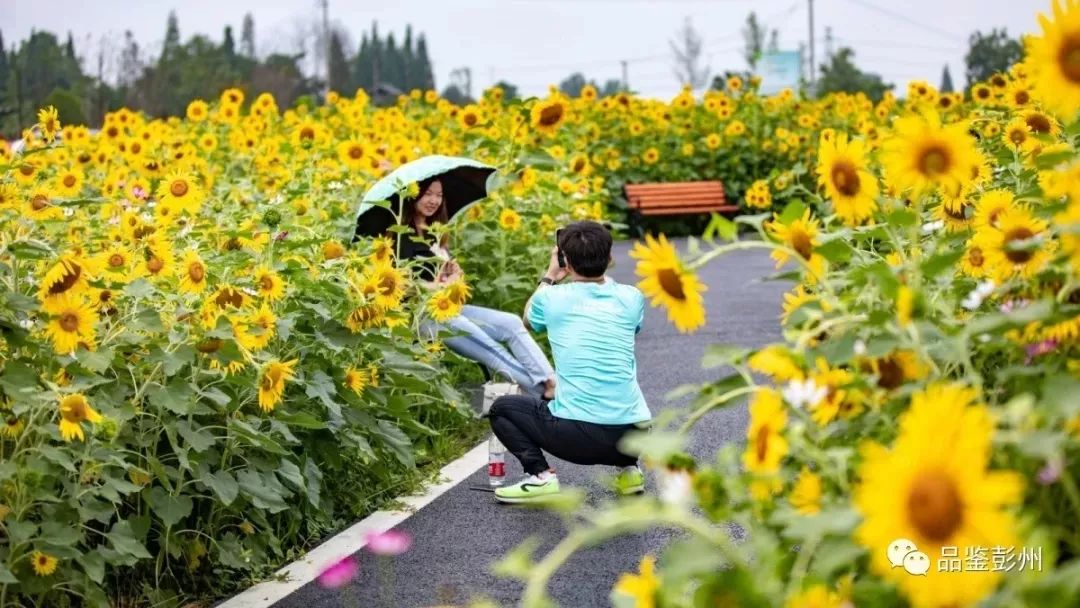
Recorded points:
562,258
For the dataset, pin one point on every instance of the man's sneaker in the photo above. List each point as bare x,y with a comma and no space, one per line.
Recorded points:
630,481
530,489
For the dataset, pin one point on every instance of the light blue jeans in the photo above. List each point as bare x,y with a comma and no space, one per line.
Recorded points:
479,334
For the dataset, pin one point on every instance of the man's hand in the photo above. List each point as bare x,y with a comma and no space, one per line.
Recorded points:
553,271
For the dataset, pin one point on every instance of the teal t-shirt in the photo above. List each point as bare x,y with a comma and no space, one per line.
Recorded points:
591,327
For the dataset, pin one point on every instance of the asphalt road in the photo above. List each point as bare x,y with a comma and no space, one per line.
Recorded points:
461,533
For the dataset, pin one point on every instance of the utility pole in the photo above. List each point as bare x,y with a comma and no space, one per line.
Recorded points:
828,44
813,67
625,78
324,4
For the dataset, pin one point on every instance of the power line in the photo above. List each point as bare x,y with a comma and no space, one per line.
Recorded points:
905,18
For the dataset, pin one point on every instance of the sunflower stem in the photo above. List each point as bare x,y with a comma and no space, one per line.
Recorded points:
714,403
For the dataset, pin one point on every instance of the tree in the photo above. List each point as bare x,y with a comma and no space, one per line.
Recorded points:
990,53
425,76
229,45
363,72
509,91
68,107
841,74
754,34
339,77
172,36
573,84
5,71
247,37
394,66
454,95
408,67
687,49
946,81
611,87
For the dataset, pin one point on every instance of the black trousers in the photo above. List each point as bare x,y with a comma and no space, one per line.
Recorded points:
526,427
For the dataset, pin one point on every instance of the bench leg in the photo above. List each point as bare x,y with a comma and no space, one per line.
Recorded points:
637,224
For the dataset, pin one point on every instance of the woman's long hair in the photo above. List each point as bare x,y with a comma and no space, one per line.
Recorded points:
409,213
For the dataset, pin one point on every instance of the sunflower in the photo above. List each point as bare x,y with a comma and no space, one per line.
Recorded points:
579,165
192,273
69,276
973,263
548,114
40,205
12,426
509,220
990,207
669,283
924,153
641,587
470,116
896,368
837,398
458,291
1018,246
49,121
806,493
982,93
197,110
712,141
1017,135
953,215
272,383
442,307
766,445
1053,58
801,236
71,323
933,488
158,259
69,183
365,317
254,331
356,380
179,188
332,250
42,563
796,299
353,153
843,171
385,285
74,410
269,284
650,156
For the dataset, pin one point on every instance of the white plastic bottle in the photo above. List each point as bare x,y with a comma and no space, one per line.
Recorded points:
496,462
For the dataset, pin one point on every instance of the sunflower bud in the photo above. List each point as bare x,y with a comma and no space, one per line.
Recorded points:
272,218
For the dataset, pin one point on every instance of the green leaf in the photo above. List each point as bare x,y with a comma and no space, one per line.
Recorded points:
96,361
836,251
173,361
124,541
224,485
199,439
942,261
93,564
721,226
170,509
148,320
18,378
792,211
263,495
139,289
902,218
518,563
301,419
6,577
397,441
717,355
804,527
657,446
176,398
320,386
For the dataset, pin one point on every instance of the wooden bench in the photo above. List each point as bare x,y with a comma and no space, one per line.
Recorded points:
675,198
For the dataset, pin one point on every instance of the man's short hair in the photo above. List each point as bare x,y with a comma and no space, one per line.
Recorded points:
587,247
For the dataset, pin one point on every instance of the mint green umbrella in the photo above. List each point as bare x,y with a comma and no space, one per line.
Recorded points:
464,182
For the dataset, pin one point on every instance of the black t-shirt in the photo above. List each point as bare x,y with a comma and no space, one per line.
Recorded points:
419,248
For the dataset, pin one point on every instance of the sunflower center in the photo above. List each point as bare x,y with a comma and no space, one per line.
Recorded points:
1018,256
39,202
1069,57
155,264
955,213
470,119
934,161
1022,97
671,283
178,188
266,283
356,152
267,383
800,242
845,178
975,257
69,181
387,284
69,322
229,297
551,115
934,506
66,282
209,346
196,272
116,260
1039,123
307,133
761,443
890,374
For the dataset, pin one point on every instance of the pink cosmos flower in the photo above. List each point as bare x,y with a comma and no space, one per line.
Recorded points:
1039,348
391,542
339,573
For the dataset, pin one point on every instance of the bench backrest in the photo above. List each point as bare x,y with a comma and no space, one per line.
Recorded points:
676,196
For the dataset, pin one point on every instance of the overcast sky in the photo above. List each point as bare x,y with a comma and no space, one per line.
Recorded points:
532,43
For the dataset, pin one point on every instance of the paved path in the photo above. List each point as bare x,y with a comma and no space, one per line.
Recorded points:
462,532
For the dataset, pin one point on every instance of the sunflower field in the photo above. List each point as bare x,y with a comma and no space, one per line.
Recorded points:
915,437
200,375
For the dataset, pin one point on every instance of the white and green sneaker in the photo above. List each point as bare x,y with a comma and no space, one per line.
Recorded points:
530,489
630,480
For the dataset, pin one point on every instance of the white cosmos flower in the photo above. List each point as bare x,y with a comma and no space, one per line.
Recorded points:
804,393
676,487
977,295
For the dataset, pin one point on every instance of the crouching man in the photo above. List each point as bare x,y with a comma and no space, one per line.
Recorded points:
591,322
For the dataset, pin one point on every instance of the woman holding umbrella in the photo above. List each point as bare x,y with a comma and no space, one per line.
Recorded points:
491,337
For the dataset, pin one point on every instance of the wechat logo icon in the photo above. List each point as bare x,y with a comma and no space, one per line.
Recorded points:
903,553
